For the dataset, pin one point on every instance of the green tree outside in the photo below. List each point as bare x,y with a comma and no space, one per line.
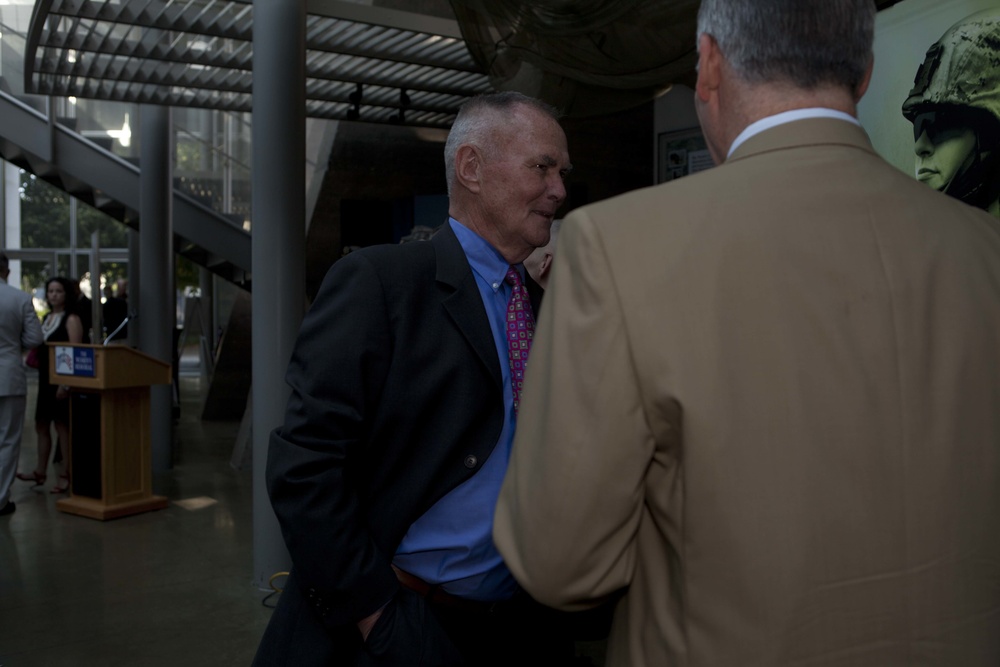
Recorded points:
45,223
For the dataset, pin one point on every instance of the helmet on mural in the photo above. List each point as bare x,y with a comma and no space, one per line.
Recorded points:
960,80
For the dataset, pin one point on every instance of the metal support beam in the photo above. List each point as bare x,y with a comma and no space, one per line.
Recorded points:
156,271
278,243
133,285
74,239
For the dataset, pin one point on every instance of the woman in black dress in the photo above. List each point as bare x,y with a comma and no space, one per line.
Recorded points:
52,407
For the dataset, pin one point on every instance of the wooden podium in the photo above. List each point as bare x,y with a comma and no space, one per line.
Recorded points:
110,451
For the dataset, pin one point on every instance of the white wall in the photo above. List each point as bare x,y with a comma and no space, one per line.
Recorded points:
672,111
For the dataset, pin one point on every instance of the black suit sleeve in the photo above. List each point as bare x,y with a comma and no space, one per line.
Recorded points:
336,373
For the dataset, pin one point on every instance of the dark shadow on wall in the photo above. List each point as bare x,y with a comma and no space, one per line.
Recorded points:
376,172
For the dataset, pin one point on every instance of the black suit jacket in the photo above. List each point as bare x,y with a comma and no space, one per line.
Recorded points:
396,399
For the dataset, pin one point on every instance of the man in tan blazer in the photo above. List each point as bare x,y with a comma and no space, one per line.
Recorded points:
763,403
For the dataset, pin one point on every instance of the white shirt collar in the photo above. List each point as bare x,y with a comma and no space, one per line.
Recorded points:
787,117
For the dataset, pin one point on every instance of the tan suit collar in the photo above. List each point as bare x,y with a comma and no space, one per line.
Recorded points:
806,132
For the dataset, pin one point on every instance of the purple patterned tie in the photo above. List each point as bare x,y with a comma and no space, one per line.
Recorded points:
520,330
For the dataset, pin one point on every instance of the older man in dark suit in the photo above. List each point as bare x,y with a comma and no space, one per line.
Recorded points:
405,388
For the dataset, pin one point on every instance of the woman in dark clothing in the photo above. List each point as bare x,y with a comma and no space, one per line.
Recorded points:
79,303
52,407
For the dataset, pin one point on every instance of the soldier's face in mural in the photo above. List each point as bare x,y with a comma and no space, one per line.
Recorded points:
944,148
954,106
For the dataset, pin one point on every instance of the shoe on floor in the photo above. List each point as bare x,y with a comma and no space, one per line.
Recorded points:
37,478
8,508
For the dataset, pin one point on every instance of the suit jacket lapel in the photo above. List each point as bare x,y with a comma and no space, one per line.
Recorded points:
462,300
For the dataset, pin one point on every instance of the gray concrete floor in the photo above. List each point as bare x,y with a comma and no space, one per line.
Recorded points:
169,587
158,589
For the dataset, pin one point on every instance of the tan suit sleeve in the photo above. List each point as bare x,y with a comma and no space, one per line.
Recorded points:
573,496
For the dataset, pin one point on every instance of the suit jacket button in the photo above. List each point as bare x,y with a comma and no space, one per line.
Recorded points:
471,461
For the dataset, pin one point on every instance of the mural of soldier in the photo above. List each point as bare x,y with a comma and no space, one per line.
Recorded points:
955,110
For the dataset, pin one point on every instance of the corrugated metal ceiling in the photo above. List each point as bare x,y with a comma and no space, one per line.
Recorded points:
362,62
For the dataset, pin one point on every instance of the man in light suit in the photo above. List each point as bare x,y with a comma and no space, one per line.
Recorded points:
764,400
385,473
19,331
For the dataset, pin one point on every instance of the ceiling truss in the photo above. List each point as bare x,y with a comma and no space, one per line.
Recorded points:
362,62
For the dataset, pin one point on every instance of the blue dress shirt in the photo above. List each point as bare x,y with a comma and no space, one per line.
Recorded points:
452,543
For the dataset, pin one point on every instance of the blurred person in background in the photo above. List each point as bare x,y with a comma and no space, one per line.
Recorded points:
115,309
61,325
80,304
19,331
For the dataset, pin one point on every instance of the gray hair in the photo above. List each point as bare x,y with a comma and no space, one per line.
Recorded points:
808,43
479,118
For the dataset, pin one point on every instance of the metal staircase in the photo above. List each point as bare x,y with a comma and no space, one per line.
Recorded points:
81,167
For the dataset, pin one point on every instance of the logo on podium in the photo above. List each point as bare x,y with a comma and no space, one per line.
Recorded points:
75,361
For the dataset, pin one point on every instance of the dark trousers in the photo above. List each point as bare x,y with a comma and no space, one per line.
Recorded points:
415,631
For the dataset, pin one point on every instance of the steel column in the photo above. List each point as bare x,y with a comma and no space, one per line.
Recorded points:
278,242
156,270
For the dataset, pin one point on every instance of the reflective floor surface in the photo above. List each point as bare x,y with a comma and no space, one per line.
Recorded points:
164,588
168,587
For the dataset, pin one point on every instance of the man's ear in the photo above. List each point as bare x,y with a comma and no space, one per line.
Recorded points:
467,167
709,67
543,268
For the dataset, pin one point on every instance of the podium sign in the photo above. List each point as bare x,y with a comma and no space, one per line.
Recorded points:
110,445
76,361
